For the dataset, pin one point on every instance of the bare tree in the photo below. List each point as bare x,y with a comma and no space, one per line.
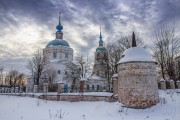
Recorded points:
21,79
12,78
74,72
116,49
84,65
51,74
77,70
36,65
1,74
166,47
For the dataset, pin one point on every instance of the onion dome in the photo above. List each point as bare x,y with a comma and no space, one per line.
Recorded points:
58,42
100,48
59,27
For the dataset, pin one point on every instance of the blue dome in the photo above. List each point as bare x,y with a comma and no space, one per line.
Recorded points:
58,42
100,49
59,28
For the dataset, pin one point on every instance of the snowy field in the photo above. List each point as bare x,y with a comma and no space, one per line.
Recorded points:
25,108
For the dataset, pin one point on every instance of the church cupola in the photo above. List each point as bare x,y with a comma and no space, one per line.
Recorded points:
59,27
100,39
101,43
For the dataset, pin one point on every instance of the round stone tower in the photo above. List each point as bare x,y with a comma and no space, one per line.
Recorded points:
137,79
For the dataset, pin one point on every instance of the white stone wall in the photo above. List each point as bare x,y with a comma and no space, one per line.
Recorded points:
137,84
58,63
103,84
61,50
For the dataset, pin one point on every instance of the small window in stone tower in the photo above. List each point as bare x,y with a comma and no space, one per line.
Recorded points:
105,73
54,54
59,72
66,54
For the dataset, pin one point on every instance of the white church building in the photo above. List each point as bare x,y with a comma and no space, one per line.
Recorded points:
58,52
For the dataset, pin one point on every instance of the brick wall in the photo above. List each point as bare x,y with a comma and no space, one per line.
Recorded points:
76,98
137,84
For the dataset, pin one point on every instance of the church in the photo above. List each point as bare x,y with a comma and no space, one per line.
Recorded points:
58,54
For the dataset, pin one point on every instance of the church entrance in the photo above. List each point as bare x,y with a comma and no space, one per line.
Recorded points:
65,88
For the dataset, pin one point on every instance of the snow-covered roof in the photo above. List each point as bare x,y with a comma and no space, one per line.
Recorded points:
171,80
60,82
136,54
83,79
115,75
162,79
95,77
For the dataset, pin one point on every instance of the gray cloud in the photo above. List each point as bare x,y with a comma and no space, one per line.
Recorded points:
81,20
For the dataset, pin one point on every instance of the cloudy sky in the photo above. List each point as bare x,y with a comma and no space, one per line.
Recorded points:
26,25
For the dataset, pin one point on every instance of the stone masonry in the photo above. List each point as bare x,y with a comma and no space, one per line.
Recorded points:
162,84
115,84
137,85
178,84
101,64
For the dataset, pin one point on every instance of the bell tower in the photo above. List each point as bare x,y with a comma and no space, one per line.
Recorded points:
101,59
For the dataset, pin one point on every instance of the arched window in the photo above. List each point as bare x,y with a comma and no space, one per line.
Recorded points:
92,87
97,87
66,54
59,72
97,73
54,54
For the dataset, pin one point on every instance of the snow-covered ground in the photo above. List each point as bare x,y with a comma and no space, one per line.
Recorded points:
26,108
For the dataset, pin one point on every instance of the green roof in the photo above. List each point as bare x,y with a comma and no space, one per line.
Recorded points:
58,42
100,49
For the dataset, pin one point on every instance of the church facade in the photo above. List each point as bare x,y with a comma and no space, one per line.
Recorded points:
57,53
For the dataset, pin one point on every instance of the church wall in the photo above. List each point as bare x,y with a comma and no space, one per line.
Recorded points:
60,53
103,85
100,65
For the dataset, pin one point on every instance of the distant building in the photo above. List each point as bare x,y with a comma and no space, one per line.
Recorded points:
99,78
101,60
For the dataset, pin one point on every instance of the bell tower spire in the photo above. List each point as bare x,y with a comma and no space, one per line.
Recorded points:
59,27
